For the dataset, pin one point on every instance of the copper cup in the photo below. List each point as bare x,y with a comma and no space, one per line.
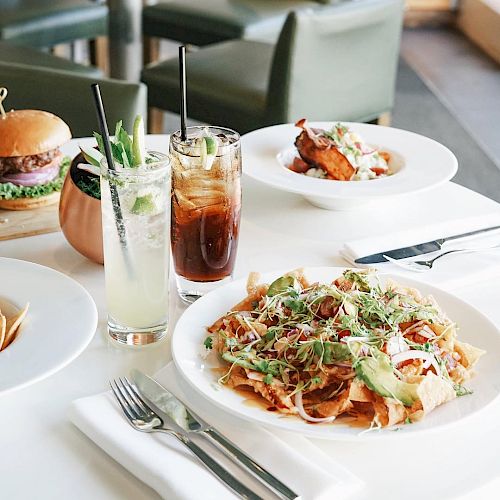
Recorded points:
80,217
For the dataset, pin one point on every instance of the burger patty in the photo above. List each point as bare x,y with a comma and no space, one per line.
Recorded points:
26,163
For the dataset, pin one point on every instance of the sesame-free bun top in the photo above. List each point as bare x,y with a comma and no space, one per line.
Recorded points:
30,132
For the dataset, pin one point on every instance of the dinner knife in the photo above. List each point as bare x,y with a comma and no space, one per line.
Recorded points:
173,408
420,249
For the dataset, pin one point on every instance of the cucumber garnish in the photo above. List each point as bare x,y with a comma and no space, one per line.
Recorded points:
138,142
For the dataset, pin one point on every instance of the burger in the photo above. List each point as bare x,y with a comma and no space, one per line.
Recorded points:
32,167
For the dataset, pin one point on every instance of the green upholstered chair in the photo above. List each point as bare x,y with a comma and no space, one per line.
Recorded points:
330,63
45,23
18,54
68,95
202,22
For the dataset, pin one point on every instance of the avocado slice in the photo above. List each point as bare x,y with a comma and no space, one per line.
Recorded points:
280,285
378,375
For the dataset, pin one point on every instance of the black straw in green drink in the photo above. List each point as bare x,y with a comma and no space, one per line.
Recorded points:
115,200
182,82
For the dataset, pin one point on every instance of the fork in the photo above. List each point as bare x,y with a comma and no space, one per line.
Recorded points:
425,265
142,418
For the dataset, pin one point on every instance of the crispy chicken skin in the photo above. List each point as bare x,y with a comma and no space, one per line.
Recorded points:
320,151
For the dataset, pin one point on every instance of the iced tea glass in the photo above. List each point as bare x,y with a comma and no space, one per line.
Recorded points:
206,206
136,249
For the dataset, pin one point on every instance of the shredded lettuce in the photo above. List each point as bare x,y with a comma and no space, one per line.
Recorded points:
9,191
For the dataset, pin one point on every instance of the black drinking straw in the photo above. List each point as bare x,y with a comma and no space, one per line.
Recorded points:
115,200
182,82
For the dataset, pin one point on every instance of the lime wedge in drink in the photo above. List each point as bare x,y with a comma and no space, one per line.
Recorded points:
144,205
138,142
208,151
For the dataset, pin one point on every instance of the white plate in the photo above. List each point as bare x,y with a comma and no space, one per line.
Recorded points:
419,164
61,321
190,333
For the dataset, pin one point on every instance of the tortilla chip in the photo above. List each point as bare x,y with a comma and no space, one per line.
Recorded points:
434,391
252,282
13,324
413,369
380,409
334,407
299,275
3,328
388,412
447,342
359,392
247,303
396,412
459,374
469,354
396,287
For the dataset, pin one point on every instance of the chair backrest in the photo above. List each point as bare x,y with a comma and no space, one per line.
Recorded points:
68,95
336,62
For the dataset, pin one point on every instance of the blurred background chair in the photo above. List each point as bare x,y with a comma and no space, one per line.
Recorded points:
17,54
203,22
46,23
330,63
66,93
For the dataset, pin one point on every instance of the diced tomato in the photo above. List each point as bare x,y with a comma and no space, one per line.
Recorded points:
404,326
419,339
299,165
343,333
378,170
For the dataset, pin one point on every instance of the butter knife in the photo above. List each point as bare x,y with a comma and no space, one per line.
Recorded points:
167,403
420,249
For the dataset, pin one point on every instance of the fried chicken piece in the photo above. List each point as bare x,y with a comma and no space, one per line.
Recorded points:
320,151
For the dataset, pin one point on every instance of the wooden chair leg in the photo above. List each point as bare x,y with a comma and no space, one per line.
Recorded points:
99,53
151,50
385,119
155,121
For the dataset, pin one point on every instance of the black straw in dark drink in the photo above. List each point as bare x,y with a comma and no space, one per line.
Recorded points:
206,206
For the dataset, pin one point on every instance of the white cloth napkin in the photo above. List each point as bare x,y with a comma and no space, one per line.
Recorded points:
451,272
169,468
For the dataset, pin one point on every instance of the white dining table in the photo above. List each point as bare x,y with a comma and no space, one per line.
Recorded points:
43,456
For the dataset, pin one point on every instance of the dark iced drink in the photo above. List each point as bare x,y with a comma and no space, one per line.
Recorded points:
206,205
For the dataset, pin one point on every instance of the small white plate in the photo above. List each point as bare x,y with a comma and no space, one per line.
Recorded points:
190,333
61,321
419,163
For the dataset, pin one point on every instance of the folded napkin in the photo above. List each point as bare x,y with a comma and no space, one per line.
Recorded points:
170,469
451,272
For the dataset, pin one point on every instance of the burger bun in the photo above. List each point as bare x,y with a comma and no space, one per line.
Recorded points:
31,132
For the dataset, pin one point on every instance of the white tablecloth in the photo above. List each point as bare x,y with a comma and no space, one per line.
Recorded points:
44,456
